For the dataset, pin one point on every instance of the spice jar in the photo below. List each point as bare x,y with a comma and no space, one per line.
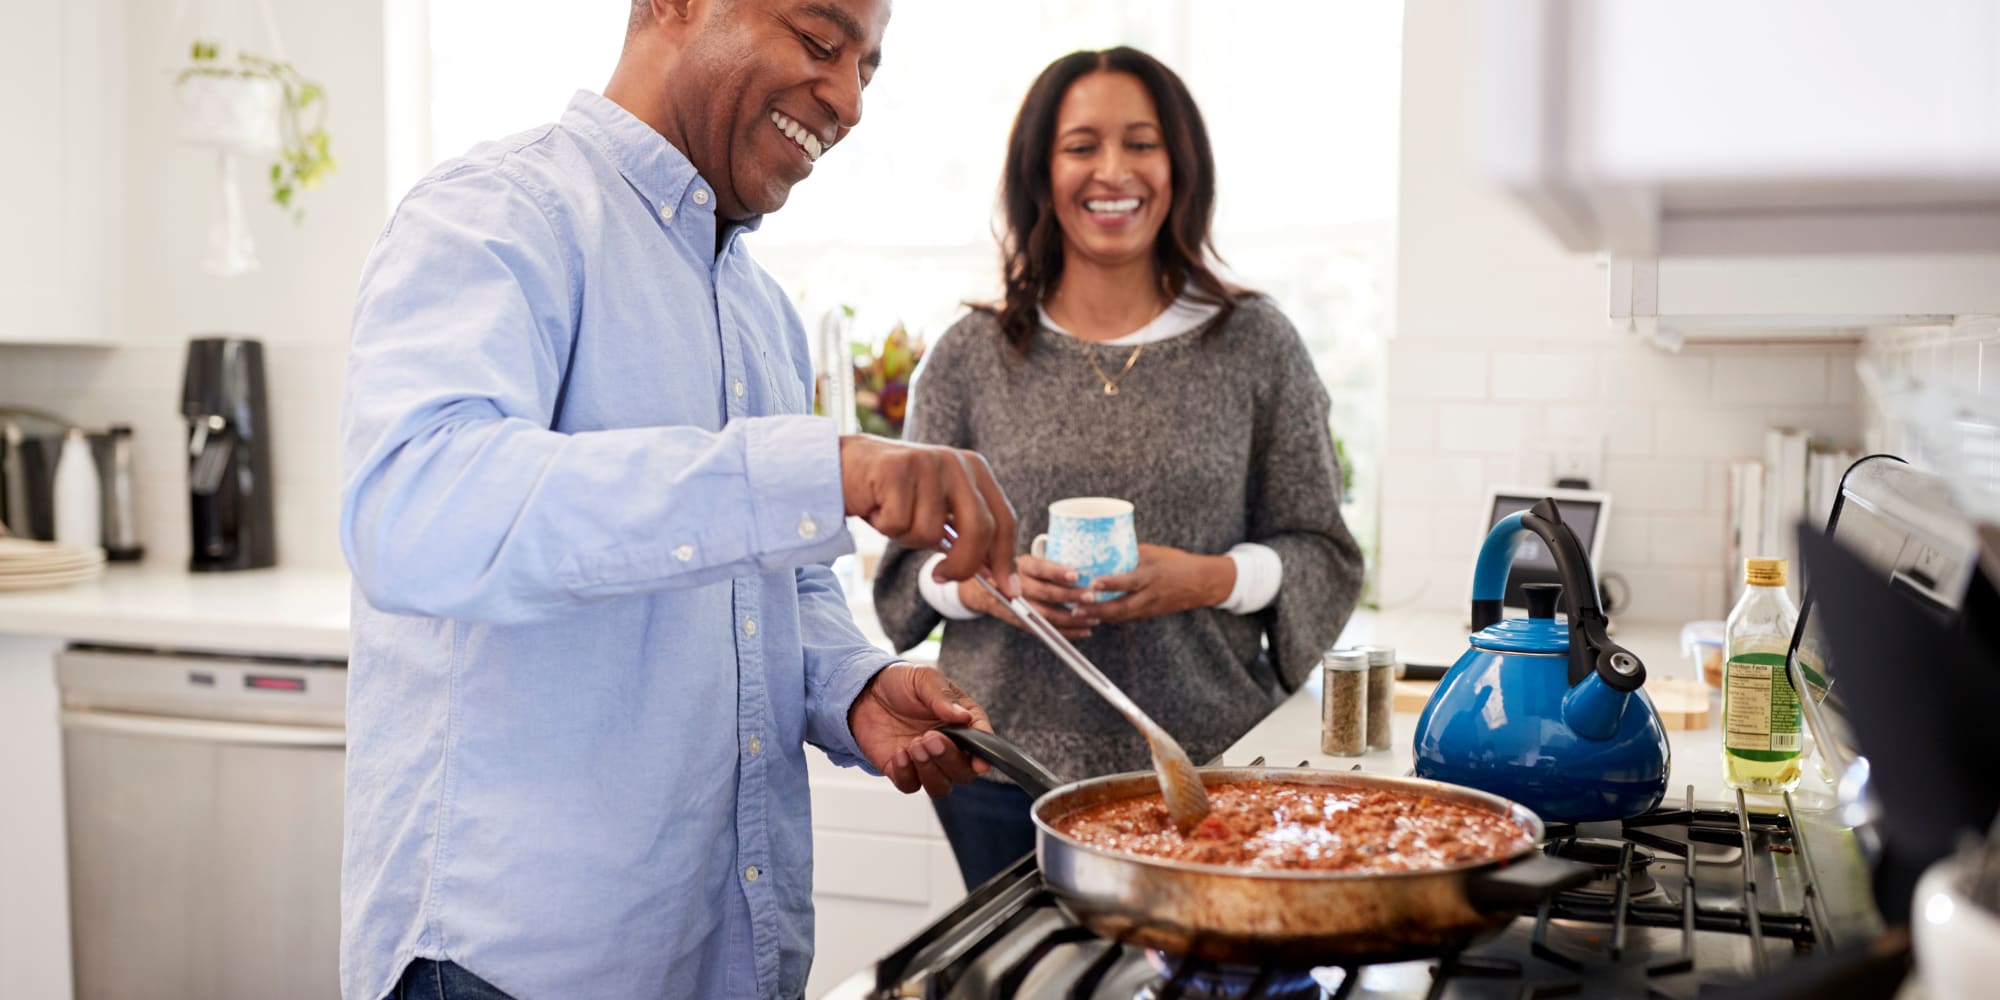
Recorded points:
1381,696
1343,729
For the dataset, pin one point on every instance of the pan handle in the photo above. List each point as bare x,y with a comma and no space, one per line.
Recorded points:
1012,761
1523,884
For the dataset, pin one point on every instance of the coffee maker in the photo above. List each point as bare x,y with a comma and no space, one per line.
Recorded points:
229,455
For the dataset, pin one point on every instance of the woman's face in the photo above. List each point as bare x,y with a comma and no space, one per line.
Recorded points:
1109,173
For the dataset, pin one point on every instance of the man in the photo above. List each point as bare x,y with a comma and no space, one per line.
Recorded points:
588,520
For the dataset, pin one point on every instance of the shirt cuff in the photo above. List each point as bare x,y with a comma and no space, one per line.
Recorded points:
1259,573
836,699
942,597
797,509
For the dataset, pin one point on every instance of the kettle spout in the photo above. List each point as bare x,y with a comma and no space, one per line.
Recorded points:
1592,709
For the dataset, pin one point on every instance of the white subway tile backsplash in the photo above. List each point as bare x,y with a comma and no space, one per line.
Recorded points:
1962,366
1670,425
1433,480
1715,593
1678,486
1716,499
1484,428
1542,376
1718,431
1786,378
1411,426
1406,532
1418,373
1839,425
1665,594
1526,469
1635,373
1457,533
1843,385
1429,583
1691,541
1627,430
1626,538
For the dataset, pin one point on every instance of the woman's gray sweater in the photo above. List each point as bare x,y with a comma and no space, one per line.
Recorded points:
1217,436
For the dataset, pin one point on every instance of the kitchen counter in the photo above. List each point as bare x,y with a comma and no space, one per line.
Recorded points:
285,612
1291,733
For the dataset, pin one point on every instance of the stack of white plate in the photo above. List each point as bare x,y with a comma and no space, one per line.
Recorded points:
32,565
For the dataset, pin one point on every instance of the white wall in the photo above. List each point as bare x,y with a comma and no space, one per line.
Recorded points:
1963,358
1501,340
298,304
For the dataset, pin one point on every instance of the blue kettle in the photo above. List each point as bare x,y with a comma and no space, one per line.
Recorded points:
1546,713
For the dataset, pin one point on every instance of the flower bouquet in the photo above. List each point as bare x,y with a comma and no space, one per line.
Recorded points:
882,381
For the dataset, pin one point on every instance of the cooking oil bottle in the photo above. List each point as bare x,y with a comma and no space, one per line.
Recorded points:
1761,737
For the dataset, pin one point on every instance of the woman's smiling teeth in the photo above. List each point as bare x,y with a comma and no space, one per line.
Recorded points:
801,137
1111,206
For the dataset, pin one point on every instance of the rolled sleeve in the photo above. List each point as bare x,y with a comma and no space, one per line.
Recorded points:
799,512
839,662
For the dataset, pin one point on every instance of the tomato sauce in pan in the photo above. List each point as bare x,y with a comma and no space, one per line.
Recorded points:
1264,825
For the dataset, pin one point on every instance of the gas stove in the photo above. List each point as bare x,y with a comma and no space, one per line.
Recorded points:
1688,899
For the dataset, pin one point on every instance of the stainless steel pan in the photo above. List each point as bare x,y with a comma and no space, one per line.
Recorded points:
1239,916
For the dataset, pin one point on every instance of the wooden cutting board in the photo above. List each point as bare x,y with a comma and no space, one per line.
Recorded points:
1681,701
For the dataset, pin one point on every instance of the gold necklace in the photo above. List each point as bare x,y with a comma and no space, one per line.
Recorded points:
1111,384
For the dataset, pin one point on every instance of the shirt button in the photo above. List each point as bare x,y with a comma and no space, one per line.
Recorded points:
749,626
700,196
756,746
739,388
667,212
750,873
808,529
683,552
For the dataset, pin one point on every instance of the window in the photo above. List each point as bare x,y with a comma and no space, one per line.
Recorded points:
1301,101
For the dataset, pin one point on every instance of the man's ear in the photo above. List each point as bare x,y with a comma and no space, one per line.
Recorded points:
680,9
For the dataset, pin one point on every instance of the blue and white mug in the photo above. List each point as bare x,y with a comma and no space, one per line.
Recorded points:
1092,535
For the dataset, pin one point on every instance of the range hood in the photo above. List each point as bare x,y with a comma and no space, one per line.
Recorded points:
1762,166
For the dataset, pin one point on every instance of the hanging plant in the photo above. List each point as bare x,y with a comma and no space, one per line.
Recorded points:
255,105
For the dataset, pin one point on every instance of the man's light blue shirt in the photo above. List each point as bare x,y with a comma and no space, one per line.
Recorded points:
585,657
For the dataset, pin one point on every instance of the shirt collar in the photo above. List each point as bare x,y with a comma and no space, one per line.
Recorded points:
660,173
1184,314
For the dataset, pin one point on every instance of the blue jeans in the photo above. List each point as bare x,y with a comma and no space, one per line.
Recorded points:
988,826
428,980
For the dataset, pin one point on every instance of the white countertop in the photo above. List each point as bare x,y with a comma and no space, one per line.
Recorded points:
279,611
1291,733
305,613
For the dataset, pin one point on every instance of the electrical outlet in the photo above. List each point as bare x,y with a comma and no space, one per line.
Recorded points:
1577,455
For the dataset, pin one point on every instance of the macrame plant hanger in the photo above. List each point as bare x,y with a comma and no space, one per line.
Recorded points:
227,114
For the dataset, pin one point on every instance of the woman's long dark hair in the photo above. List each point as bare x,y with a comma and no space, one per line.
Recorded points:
1032,244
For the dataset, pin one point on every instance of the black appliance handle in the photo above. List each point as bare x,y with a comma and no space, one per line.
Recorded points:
1590,647
1012,761
1523,884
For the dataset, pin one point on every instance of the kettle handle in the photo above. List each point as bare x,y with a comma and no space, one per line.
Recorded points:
1590,647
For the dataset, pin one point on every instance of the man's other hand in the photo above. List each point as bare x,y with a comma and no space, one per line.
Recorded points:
895,721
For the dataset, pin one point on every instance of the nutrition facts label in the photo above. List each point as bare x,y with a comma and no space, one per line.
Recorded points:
1760,709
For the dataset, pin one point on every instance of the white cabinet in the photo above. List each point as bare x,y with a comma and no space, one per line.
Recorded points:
34,867
61,180
1762,165
881,870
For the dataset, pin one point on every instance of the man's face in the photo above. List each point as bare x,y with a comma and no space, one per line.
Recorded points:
765,87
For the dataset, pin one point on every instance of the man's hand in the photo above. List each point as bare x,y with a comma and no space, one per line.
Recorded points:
895,721
1050,587
912,492
1167,580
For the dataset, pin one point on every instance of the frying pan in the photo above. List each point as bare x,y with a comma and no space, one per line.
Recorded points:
1293,918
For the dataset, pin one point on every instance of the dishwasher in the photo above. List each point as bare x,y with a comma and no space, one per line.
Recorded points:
203,796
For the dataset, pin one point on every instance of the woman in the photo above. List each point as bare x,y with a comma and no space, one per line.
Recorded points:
1119,364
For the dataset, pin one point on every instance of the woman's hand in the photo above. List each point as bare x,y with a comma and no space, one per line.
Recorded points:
1049,586
1167,580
